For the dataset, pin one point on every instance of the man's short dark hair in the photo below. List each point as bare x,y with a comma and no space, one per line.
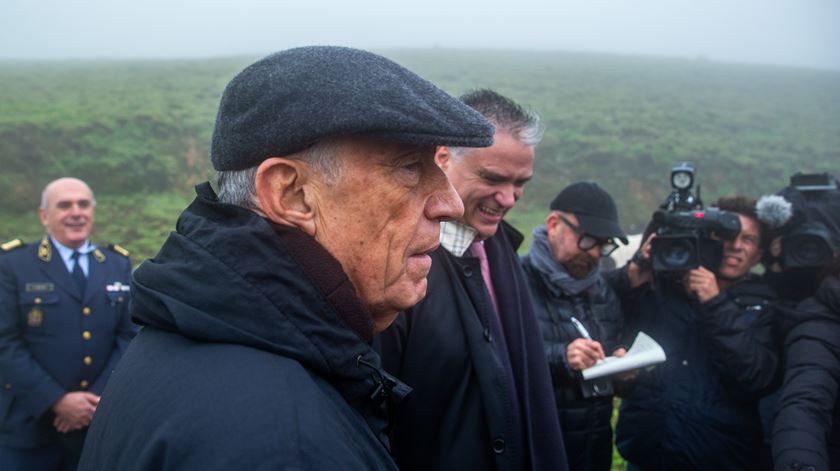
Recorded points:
745,206
506,114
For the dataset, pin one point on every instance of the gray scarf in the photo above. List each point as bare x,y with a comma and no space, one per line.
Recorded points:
559,281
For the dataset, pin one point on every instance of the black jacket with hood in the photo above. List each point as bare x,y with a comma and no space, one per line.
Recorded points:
254,355
806,432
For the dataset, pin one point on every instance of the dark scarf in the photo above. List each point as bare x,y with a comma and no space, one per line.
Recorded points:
557,278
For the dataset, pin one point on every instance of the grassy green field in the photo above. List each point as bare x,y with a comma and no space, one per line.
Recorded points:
139,131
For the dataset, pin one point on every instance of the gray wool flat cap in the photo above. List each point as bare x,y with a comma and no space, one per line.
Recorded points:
290,100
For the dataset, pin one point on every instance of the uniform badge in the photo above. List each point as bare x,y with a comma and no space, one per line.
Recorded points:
117,287
35,317
99,256
11,245
45,250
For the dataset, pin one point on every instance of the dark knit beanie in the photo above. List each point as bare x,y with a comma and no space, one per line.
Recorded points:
290,100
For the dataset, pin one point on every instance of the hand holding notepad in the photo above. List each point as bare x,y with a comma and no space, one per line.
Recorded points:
644,352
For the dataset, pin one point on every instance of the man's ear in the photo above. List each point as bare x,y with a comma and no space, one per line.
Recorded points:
43,216
282,185
443,157
551,222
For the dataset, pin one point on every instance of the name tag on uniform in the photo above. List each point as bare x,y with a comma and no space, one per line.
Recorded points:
39,287
117,287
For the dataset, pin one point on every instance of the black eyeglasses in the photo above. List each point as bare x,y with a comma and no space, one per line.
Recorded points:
586,242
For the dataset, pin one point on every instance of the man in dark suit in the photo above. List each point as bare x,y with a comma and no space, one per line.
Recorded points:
64,323
471,349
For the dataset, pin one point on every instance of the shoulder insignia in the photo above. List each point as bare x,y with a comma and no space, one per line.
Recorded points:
45,250
119,249
11,245
99,256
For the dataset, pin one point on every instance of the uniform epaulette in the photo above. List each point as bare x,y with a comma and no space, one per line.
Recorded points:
119,249
11,245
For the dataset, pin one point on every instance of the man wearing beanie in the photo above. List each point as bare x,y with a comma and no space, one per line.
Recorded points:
471,351
579,314
259,309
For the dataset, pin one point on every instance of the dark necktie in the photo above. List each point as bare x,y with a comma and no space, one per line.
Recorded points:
78,274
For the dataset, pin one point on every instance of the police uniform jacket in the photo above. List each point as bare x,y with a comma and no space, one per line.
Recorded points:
55,339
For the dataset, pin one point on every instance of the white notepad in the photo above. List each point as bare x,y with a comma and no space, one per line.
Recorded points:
644,352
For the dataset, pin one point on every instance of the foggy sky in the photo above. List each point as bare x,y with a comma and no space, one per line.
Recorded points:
783,32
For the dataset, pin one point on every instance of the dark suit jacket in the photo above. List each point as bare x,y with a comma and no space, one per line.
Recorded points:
482,394
54,339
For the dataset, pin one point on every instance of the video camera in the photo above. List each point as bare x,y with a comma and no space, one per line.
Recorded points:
811,239
688,236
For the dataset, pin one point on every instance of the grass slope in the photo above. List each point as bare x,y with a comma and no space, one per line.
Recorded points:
139,131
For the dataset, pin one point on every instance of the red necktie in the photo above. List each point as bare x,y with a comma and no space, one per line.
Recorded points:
477,249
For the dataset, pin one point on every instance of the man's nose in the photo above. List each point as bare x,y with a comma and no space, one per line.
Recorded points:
445,203
506,196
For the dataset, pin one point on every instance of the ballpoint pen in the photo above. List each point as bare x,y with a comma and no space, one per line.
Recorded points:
581,329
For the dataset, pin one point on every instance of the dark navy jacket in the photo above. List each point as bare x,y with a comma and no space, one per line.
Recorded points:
54,339
806,431
698,410
473,407
254,355
584,417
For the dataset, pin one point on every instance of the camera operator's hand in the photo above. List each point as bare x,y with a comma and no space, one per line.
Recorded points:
582,353
701,283
639,270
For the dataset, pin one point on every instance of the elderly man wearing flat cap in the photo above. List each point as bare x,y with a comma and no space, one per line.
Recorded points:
259,310
579,314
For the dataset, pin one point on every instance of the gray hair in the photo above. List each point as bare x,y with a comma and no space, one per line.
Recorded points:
238,187
44,203
506,115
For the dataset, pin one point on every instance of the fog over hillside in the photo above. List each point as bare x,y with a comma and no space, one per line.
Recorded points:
803,33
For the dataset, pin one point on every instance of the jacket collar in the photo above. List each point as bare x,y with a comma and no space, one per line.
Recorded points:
228,275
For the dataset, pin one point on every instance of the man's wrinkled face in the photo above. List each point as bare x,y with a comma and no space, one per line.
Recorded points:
490,181
68,217
381,219
563,241
743,252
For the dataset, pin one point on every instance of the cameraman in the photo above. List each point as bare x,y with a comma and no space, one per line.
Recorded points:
806,430
698,409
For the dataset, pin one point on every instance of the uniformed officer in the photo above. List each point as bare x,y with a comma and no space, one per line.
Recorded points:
64,324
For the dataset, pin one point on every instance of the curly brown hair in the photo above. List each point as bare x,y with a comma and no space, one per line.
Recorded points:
745,206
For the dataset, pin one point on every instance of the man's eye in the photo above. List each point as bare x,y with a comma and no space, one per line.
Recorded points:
64,205
414,166
84,204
